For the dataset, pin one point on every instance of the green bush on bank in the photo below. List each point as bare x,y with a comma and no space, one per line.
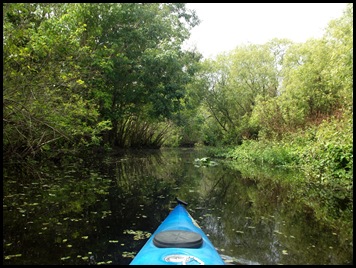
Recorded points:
327,161
262,152
324,153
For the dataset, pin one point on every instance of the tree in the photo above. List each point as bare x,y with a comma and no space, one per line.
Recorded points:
44,94
318,73
137,52
74,71
316,81
234,81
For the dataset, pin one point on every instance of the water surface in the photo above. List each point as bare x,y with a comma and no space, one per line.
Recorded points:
102,209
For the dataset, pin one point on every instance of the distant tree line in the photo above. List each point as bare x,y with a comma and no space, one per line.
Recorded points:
115,74
265,91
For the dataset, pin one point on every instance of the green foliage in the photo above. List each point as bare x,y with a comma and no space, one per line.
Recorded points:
326,157
142,71
329,159
262,152
232,84
339,36
46,95
316,82
308,83
324,153
75,72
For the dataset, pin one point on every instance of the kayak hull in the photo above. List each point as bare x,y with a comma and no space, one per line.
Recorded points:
179,222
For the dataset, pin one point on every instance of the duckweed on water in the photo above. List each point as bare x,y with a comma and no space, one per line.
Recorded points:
65,258
8,257
126,254
138,234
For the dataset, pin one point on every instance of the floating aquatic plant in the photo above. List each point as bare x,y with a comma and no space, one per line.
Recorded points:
127,254
205,161
8,257
138,234
65,258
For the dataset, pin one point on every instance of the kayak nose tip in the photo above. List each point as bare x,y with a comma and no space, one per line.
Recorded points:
181,202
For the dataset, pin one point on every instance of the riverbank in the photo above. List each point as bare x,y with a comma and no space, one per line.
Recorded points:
324,154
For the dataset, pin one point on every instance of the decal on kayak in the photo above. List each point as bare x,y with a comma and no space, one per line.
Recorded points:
183,259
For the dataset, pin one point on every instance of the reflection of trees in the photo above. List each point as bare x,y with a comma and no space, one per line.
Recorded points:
258,217
141,174
222,184
102,198
52,211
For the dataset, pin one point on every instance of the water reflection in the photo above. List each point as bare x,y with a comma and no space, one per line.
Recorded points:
101,210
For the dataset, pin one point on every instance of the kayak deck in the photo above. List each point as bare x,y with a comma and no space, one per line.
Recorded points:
178,240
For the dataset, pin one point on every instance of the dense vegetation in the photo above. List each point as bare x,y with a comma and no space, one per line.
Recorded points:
115,75
86,74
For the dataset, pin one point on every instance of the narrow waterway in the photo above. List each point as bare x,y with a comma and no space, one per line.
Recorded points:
102,209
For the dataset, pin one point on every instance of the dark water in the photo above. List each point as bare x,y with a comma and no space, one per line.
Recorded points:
101,210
